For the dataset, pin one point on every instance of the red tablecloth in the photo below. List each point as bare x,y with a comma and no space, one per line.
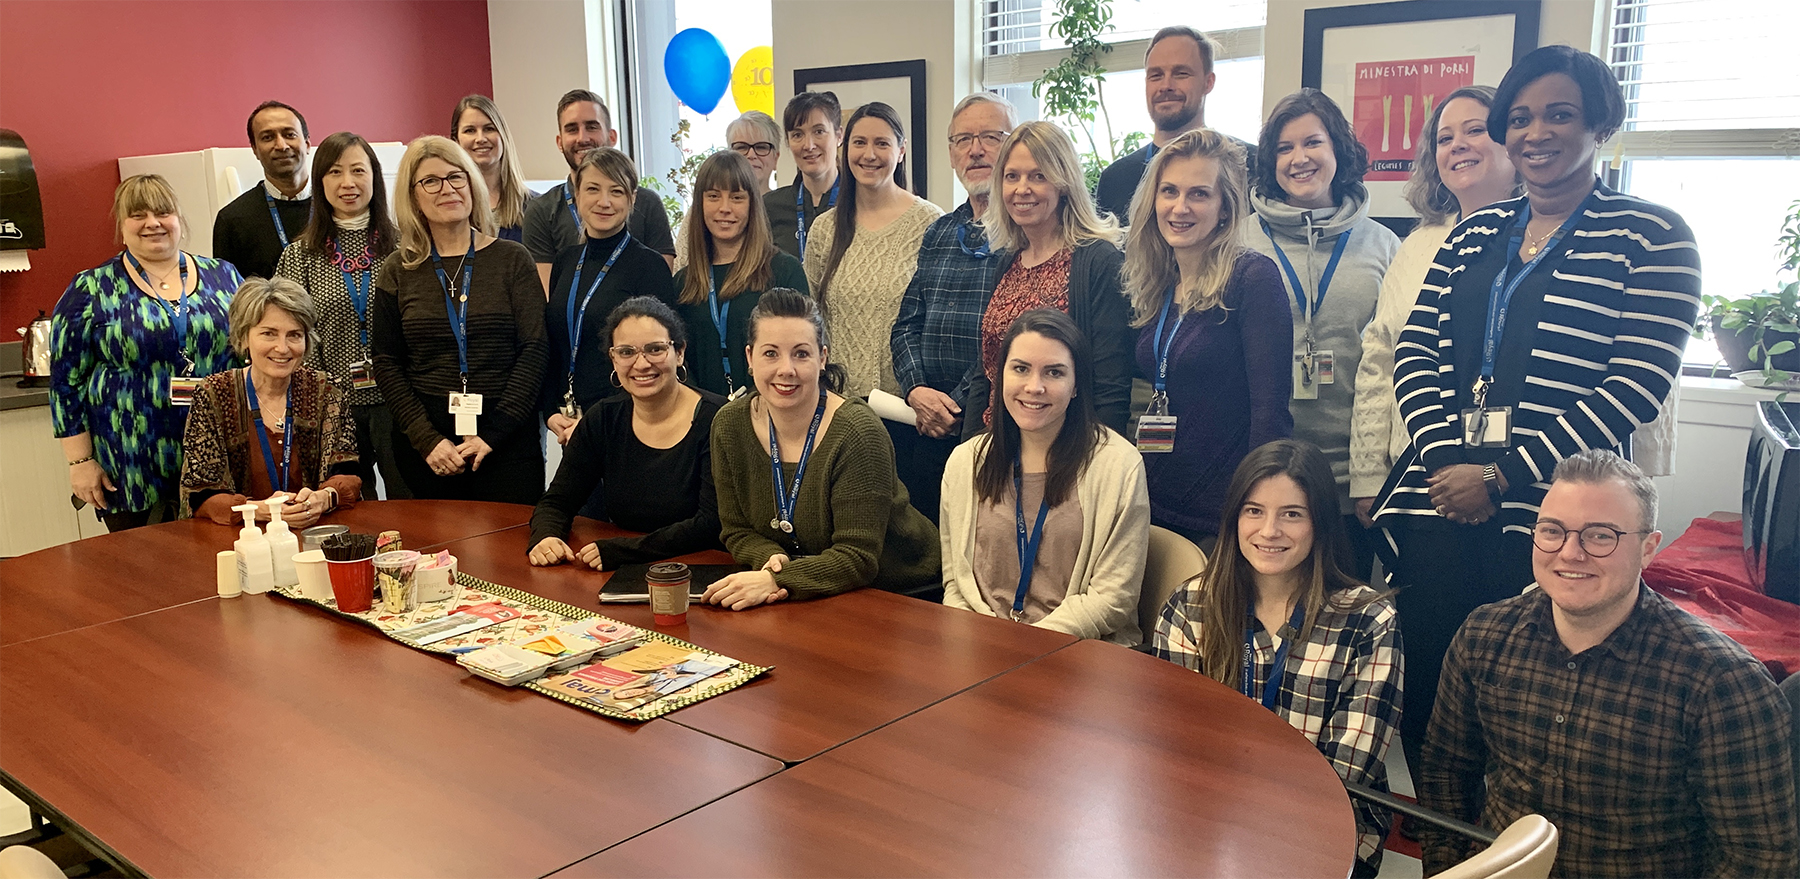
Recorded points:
1704,572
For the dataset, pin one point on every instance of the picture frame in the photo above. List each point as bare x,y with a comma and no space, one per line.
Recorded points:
900,84
1387,64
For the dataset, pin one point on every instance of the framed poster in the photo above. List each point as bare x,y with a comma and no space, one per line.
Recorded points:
899,84
1388,65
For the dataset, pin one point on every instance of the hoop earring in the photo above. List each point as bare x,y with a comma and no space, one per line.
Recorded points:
615,380
681,373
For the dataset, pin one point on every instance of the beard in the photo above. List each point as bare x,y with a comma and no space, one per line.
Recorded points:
979,189
1175,121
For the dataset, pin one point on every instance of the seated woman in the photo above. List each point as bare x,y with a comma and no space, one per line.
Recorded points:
833,516
1080,566
274,426
1326,648
651,447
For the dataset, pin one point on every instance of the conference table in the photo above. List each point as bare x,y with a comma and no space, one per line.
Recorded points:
178,733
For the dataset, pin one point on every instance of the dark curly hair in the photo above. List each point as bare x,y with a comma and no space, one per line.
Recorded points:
1352,157
652,308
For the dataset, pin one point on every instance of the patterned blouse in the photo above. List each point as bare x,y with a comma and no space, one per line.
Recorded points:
1341,688
223,455
1021,289
113,351
341,344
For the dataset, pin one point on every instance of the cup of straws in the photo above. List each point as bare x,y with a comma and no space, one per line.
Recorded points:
350,559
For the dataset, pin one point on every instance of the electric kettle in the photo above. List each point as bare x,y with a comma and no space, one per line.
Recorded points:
36,355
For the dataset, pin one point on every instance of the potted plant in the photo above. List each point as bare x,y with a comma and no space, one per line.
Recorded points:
1758,334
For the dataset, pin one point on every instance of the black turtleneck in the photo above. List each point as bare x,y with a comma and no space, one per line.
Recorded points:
639,271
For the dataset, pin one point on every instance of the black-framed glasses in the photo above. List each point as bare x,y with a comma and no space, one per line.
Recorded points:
656,351
435,185
1598,541
989,139
759,149
981,251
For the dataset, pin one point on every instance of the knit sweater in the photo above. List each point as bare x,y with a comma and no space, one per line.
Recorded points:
865,292
854,525
1348,307
1103,590
340,328
1377,432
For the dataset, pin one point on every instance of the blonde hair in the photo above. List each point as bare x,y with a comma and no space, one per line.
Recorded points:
1055,154
1150,267
415,232
513,193
256,296
144,192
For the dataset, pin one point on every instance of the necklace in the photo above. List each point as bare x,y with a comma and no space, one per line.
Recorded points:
1531,249
162,281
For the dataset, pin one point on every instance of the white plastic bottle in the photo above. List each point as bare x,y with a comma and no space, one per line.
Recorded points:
256,569
283,545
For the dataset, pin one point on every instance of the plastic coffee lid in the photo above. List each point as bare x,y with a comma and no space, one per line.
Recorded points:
320,532
397,557
667,572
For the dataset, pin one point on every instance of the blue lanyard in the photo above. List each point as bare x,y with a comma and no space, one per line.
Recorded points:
1500,297
786,499
359,297
720,311
459,308
800,211
577,318
1278,670
262,435
280,230
1028,548
178,313
1159,349
569,202
1293,277
980,251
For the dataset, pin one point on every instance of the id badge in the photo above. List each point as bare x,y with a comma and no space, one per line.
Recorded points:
1487,428
1156,433
362,375
465,407
1306,385
182,389
1324,368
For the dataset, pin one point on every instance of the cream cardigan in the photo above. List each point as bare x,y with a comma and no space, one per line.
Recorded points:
1102,600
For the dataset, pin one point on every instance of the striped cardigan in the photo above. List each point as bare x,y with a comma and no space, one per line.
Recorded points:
1616,315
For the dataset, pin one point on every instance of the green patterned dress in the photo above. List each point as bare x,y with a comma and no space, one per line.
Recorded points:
113,351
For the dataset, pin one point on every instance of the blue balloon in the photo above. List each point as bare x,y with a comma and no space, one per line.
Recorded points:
698,69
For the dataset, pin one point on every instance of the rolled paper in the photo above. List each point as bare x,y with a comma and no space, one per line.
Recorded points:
228,574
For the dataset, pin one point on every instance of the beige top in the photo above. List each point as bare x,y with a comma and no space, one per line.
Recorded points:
865,294
997,550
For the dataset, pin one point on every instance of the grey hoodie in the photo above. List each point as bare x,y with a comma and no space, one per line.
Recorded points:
1307,238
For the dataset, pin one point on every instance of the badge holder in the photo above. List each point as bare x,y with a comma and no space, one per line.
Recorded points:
1484,426
1306,385
183,387
569,408
1156,428
465,407
362,375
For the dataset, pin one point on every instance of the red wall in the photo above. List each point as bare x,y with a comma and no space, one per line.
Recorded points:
87,82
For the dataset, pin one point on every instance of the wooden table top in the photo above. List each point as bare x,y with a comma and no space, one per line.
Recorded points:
842,666
115,576
258,737
1092,760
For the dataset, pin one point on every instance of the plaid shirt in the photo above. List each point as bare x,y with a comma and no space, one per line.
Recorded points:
937,335
1662,751
1341,688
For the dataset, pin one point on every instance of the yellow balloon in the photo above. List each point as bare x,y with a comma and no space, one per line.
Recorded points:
753,80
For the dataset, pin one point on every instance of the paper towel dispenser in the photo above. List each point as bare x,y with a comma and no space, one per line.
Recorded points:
21,206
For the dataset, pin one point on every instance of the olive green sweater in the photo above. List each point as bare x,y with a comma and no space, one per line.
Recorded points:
853,522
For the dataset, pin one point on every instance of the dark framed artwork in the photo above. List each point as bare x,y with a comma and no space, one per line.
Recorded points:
899,84
1388,65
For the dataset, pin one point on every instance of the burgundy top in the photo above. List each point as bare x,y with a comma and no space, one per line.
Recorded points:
1021,289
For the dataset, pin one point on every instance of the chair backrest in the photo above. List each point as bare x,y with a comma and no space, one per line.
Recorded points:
1790,687
1172,561
1526,849
25,862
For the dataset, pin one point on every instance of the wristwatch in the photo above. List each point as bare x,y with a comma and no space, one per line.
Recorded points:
1490,475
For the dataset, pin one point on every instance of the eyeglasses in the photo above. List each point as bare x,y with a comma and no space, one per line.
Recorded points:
989,139
655,351
435,185
1598,541
759,149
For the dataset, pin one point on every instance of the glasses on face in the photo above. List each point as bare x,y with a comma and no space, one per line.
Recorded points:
1598,541
655,351
759,149
990,139
435,185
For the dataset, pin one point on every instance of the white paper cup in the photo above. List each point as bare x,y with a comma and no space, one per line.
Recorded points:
315,579
436,584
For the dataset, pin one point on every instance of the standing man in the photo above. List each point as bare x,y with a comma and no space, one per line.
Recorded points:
1178,75
1656,745
255,227
937,336
584,124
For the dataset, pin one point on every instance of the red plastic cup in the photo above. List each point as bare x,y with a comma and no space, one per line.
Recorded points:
353,584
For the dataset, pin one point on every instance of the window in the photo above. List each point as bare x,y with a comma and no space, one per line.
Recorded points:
1712,104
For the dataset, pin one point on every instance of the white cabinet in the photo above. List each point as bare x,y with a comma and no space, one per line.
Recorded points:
34,487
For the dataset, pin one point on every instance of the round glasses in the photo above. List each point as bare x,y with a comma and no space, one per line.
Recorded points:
989,139
655,351
758,149
1598,541
435,185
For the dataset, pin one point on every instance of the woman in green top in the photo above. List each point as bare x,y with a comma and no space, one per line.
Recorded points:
733,238
807,493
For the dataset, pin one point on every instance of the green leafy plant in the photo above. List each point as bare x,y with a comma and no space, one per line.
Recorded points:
677,186
1770,320
1074,90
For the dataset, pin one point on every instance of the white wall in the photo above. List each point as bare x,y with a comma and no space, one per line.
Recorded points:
539,50
827,33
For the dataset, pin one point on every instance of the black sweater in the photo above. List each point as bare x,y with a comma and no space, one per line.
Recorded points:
640,271
244,234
